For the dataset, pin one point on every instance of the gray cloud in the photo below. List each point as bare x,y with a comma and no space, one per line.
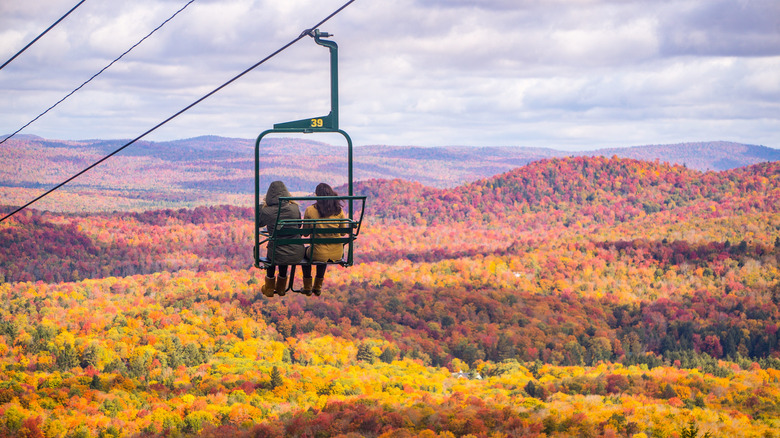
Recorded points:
557,73
723,28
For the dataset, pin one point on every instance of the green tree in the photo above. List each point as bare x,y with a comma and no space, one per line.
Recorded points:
668,392
535,390
388,354
96,383
365,354
90,356
692,431
276,377
68,358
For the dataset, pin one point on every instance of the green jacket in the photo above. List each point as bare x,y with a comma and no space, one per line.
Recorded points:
285,254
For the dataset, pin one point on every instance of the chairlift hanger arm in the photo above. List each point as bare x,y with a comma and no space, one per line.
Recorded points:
329,122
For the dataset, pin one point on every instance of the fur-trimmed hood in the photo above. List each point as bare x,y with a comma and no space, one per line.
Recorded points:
276,190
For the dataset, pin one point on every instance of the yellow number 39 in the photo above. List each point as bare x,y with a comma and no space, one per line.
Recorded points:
316,123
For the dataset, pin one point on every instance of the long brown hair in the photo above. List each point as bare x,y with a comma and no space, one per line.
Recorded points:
327,207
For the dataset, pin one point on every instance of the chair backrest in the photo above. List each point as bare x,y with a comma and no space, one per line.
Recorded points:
316,231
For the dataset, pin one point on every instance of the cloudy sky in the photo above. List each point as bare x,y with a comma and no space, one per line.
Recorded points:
562,74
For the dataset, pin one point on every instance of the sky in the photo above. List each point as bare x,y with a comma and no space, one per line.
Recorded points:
560,74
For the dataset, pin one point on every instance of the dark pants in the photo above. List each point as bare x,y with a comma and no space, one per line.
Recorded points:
282,270
320,271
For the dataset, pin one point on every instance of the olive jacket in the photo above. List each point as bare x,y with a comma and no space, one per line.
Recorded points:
285,254
325,251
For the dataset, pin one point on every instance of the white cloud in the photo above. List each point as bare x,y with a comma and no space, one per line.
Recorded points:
562,73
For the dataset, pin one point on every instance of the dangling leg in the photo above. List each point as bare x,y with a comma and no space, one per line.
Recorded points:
307,281
281,281
270,282
317,287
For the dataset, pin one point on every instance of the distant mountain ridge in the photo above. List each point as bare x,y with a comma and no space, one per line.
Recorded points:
572,189
713,155
211,170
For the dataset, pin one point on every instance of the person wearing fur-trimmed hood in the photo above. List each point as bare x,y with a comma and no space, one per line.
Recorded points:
282,255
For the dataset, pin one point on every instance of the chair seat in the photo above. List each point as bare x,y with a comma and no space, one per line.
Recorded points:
305,261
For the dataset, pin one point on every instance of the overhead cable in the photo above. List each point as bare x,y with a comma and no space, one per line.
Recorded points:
307,32
39,36
98,73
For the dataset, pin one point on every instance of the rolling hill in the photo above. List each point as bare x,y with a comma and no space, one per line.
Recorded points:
578,189
215,170
580,193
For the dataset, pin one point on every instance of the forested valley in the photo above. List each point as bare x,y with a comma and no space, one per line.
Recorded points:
577,296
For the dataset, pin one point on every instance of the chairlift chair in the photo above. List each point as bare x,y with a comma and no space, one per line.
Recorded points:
306,231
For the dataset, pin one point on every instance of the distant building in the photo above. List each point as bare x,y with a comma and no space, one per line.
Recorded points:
461,375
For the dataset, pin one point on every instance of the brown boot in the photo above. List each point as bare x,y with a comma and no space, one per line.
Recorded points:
306,286
317,288
281,286
268,287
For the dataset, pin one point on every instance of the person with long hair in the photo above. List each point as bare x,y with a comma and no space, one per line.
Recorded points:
283,255
322,209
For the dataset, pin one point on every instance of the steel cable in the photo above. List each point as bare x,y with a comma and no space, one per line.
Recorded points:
42,34
303,34
98,73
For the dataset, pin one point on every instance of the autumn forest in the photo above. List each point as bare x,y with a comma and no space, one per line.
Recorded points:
569,297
